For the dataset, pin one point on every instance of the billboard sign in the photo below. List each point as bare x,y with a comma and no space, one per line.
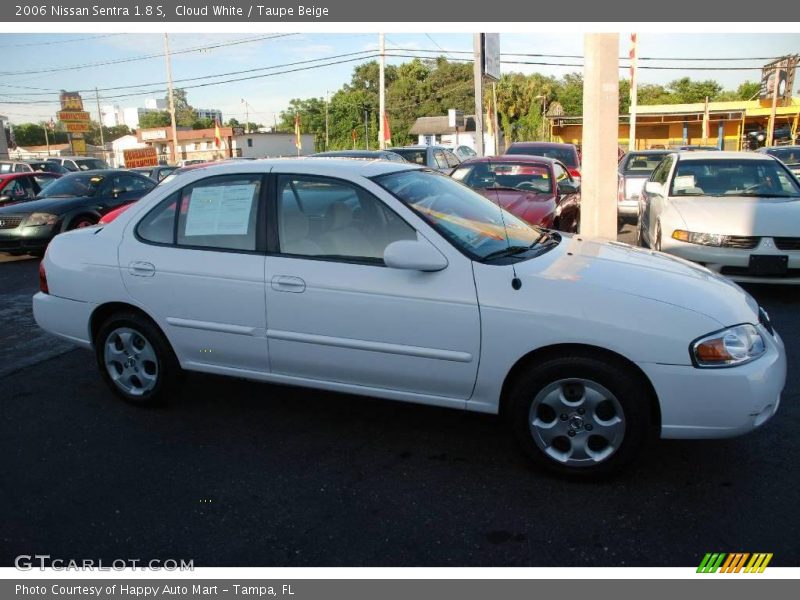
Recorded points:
490,50
70,101
140,157
76,126
781,73
455,118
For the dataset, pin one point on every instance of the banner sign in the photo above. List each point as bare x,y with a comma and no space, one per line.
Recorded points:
140,157
76,126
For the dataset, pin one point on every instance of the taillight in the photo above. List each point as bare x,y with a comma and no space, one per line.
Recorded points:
574,172
43,279
621,189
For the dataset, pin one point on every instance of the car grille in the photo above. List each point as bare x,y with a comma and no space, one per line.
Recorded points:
745,271
741,241
787,243
10,222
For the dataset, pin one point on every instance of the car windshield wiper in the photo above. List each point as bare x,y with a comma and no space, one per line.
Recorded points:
507,251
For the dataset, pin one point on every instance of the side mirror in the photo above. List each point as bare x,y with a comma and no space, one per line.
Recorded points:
116,192
566,187
5,198
655,188
415,255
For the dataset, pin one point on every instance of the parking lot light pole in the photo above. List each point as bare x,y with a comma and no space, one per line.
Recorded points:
382,93
478,76
600,132
171,100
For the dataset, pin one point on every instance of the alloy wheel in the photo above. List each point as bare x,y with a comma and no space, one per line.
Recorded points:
131,362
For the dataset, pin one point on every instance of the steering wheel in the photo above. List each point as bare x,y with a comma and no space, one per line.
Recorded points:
527,185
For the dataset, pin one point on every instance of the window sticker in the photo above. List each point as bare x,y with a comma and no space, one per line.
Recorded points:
220,210
683,182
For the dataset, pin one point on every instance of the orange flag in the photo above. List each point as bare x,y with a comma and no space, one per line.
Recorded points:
217,135
298,142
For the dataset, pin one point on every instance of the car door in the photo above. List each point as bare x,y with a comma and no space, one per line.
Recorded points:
196,263
336,313
124,188
568,207
650,204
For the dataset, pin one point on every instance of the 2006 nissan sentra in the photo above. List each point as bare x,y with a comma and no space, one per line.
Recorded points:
394,281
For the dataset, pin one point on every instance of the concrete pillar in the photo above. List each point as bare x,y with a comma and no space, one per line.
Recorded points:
721,135
600,135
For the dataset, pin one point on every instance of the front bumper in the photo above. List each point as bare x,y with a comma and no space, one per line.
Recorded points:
26,239
718,403
68,319
734,262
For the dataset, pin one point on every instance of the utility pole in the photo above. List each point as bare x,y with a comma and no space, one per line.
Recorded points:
47,139
600,135
171,100
100,119
494,120
327,100
478,76
366,128
771,126
382,93
634,58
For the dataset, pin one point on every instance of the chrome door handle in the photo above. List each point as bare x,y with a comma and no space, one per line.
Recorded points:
287,283
141,269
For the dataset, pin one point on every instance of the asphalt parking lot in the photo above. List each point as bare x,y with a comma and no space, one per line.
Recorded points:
233,473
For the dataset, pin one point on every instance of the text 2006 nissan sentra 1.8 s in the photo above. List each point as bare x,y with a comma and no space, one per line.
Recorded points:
394,281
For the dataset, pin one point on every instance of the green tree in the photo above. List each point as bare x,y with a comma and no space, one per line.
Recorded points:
158,118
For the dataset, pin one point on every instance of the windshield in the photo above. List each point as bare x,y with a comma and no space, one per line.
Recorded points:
418,157
638,162
89,164
518,176
790,156
467,219
73,185
568,156
733,177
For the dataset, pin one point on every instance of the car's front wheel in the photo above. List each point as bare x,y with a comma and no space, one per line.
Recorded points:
136,360
580,415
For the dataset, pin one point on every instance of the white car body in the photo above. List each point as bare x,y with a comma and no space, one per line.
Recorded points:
446,338
755,225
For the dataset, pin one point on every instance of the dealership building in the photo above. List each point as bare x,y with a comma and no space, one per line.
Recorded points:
670,125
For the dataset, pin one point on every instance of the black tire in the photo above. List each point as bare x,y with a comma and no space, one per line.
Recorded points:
168,372
81,221
616,377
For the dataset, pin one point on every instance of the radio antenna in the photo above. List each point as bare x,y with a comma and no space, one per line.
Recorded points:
516,282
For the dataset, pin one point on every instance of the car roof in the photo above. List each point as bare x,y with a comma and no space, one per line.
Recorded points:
542,145
517,158
650,151
722,155
319,165
95,172
7,176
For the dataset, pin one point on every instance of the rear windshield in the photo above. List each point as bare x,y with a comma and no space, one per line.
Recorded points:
505,175
642,163
568,156
88,164
418,157
790,156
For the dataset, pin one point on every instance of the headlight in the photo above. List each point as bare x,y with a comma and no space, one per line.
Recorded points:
729,347
40,219
704,239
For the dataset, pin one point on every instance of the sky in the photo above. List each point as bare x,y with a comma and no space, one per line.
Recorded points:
27,94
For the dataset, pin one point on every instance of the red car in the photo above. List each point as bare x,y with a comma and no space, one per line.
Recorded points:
19,187
536,189
567,154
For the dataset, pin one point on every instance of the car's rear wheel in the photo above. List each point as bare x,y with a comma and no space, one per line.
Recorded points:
82,221
136,360
580,415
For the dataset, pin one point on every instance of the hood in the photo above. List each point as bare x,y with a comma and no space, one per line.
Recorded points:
740,215
646,274
513,199
56,206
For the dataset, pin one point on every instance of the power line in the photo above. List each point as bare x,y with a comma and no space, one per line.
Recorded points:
146,56
53,43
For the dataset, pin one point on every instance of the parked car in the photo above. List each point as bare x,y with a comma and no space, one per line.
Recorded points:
156,173
362,154
695,148
389,280
736,213
79,163
74,201
567,154
48,166
439,158
788,155
21,187
14,166
634,169
464,152
538,190
191,161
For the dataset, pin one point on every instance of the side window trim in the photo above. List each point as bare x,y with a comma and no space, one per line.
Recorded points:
261,213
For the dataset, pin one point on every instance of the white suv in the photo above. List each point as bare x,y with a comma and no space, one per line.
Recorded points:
389,280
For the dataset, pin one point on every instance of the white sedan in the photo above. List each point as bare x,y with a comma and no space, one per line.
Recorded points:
390,280
736,213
